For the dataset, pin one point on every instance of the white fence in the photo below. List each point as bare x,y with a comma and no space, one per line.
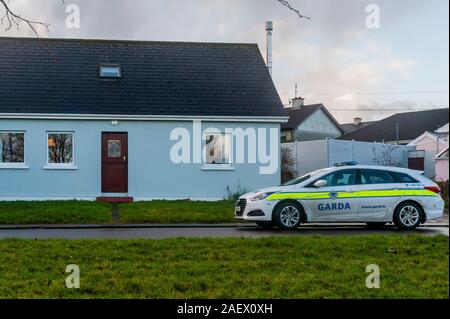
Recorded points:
313,155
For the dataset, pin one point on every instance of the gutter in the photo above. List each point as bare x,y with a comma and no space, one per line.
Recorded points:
43,116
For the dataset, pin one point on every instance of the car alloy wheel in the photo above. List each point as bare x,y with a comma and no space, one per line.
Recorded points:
409,216
289,216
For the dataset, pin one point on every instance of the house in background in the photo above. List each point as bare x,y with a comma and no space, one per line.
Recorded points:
402,127
87,119
309,123
428,146
430,142
443,133
418,129
441,160
442,166
356,125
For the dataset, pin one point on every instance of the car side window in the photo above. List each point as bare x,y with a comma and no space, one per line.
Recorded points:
371,176
402,178
339,178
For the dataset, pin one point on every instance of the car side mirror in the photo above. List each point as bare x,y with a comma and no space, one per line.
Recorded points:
320,183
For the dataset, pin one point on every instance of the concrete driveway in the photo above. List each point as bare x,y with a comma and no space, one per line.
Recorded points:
171,231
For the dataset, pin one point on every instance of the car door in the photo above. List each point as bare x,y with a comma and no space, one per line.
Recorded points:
337,201
379,192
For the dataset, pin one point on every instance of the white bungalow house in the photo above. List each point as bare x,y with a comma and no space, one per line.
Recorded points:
97,119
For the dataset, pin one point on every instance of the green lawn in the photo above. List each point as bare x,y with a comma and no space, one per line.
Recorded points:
81,212
58,212
294,267
177,212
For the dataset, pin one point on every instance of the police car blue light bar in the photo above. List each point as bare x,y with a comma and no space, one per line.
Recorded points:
351,163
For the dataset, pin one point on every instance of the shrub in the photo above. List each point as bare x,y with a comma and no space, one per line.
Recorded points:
234,195
287,164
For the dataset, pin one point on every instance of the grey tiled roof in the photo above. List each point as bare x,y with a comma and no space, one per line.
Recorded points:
411,125
298,115
60,76
351,127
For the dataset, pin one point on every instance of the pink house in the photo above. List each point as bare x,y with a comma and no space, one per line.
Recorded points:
442,166
428,146
430,142
442,157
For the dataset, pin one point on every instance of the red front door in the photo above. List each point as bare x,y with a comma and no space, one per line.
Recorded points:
114,162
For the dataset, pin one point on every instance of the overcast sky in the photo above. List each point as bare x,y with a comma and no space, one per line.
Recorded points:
334,58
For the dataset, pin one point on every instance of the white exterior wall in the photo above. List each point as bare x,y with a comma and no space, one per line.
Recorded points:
317,127
309,156
314,155
151,172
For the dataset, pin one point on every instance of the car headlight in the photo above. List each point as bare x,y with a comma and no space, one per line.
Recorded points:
261,196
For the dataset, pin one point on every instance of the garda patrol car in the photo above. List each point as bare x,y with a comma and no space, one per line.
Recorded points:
346,193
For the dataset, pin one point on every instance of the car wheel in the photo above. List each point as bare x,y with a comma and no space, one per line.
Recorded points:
288,216
407,216
265,225
375,225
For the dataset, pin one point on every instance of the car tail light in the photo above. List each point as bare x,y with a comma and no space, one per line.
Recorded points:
434,189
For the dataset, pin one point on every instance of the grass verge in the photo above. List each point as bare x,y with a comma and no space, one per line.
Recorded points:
167,212
294,267
84,212
54,212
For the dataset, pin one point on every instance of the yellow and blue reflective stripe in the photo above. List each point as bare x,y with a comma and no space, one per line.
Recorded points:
358,194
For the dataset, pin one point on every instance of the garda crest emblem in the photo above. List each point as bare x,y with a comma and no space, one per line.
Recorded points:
333,195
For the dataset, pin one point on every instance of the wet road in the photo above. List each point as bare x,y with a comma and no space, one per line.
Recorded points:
248,231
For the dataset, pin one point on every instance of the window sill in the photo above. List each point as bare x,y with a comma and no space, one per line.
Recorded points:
217,168
61,168
14,167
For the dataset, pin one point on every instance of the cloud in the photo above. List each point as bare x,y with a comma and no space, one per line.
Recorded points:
402,67
332,57
331,76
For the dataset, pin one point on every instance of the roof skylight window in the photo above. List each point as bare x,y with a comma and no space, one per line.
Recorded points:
110,71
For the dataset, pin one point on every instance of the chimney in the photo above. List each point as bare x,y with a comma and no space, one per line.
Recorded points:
297,102
269,29
357,121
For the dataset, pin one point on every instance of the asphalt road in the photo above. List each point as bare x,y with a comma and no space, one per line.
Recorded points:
227,231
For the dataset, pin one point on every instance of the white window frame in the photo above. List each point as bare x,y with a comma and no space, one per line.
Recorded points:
17,165
61,166
218,167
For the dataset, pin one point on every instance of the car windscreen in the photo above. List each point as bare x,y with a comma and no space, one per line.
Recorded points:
297,180
303,178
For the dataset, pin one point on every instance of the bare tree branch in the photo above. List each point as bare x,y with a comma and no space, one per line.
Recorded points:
287,5
13,19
